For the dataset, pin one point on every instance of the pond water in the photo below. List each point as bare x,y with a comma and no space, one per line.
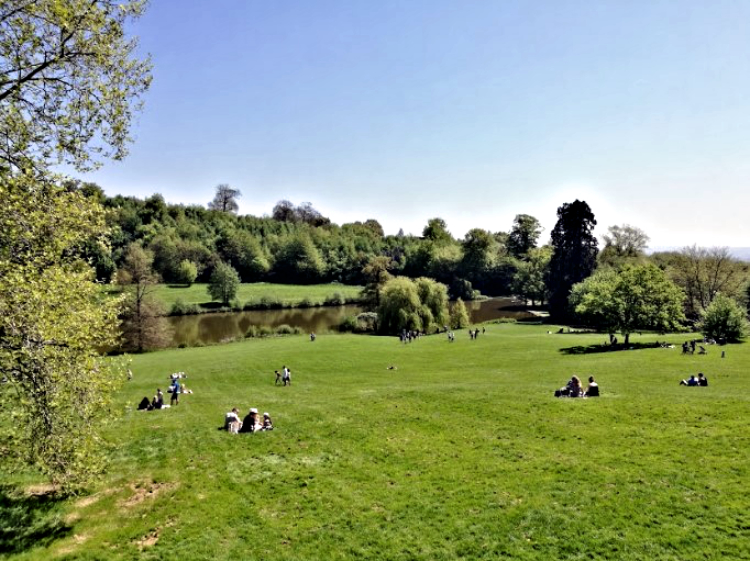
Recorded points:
214,328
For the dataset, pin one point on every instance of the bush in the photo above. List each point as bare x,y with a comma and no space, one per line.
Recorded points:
365,322
285,329
724,319
252,331
181,308
269,303
349,325
335,299
236,305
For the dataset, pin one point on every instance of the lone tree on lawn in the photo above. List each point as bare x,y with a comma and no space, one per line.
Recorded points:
724,318
574,254
69,85
225,199
224,283
633,299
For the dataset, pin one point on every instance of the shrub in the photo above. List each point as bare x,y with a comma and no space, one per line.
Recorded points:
236,305
349,325
265,331
285,329
269,303
724,319
181,308
335,299
367,322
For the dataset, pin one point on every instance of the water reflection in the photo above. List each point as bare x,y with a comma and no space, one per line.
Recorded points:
214,328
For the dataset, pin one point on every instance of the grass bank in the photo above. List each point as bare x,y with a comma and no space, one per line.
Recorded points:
461,452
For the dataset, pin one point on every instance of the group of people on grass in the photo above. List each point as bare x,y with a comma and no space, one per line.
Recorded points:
701,380
175,389
285,376
574,388
251,423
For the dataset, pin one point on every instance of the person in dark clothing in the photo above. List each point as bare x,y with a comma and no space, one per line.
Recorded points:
593,388
702,380
144,405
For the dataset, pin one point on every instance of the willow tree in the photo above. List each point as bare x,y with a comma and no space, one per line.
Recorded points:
69,84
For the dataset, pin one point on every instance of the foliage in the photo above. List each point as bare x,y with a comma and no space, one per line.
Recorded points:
523,235
724,319
376,275
225,199
459,317
52,321
224,283
624,244
69,81
461,288
143,324
181,308
285,211
703,273
528,281
437,231
574,254
187,272
420,305
299,261
635,298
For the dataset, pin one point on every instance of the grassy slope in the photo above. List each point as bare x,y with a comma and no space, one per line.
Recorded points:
461,453
287,293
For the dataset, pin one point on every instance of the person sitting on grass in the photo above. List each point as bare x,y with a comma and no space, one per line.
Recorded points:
593,388
158,401
267,423
692,381
574,387
232,421
702,380
184,389
251,422
144,405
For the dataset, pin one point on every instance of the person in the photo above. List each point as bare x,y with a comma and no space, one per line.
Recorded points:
144,405
158,401
702,380
287,376
232,421
278,377
130,374
175,399
251,422
593,388
312,337
184,389
692,381
267,423
574,387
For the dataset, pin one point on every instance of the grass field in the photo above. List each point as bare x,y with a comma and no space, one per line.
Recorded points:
459,453
288,294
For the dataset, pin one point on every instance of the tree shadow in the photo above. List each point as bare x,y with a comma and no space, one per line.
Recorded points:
592,349
29,520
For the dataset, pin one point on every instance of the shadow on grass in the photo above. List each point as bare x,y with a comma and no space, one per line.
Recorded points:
178,286
591,349
29,520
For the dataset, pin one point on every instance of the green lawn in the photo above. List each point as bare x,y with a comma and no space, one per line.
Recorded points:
289,294
459,453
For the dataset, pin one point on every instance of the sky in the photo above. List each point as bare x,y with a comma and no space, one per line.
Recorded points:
471,111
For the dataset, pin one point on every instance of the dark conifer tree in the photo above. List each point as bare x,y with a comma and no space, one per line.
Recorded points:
574,257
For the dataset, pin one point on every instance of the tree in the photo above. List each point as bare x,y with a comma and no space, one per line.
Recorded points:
69,82
407,304
225,199
725,319
224,283
188,272
574,254
376,275
53,320
69,85
299,261
635,298
437,231
705,272
524,235
143,323
284,211
459,315
623,244
528,281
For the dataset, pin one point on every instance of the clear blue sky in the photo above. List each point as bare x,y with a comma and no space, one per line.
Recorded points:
471,111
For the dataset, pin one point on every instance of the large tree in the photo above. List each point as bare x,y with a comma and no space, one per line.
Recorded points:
225,199
524,235
623,244
69,82
376,275
69,85
574,254
725,319
635,298
224,283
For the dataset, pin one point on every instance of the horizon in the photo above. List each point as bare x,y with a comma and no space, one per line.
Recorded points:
432,109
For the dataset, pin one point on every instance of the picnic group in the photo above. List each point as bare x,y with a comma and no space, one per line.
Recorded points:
176,388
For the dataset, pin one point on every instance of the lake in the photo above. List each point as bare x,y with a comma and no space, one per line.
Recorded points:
214,328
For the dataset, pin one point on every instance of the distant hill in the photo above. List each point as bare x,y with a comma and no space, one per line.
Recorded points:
741,253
